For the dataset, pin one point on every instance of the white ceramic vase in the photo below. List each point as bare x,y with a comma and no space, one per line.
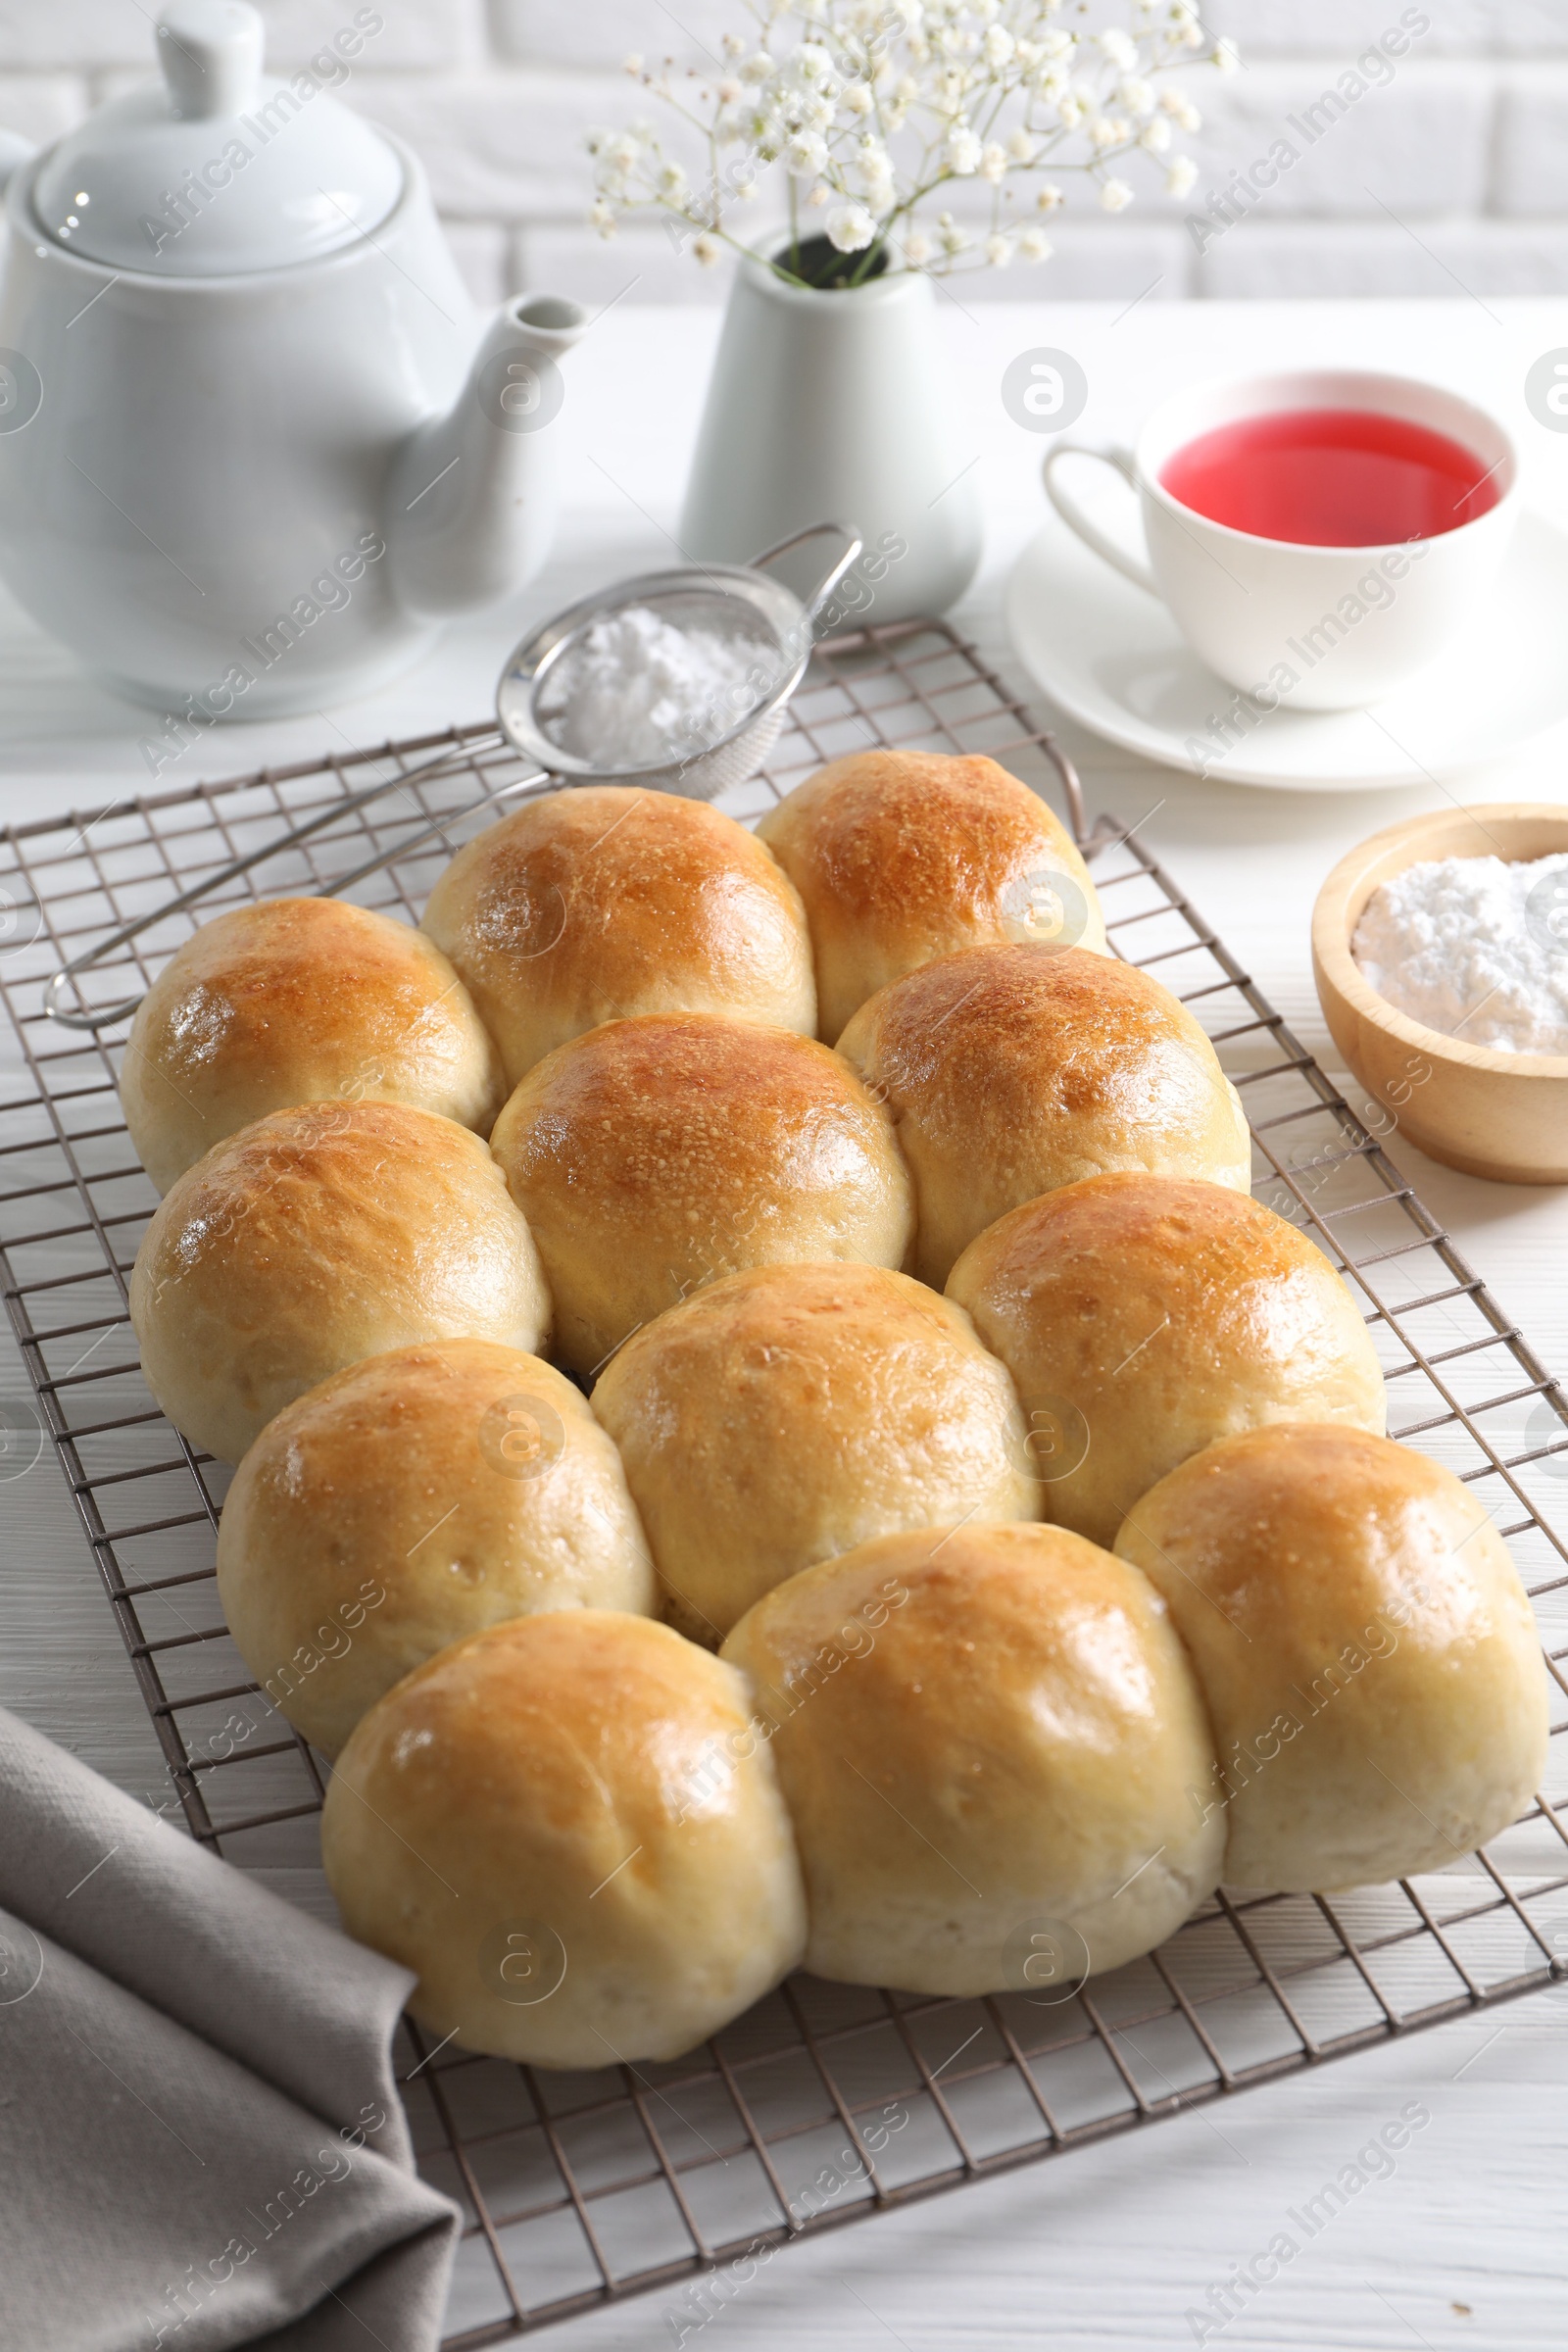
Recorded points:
832,406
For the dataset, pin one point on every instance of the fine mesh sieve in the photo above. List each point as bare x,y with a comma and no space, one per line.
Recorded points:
745,603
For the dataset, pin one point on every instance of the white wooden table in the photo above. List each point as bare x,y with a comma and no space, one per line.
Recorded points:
1464,2246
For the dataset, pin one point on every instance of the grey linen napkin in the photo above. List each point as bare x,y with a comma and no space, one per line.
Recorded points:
201,2140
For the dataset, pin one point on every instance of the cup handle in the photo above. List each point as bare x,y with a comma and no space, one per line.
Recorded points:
1077,520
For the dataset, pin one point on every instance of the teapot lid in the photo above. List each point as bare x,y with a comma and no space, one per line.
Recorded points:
215,170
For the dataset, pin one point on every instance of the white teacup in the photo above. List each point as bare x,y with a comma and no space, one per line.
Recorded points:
1317,629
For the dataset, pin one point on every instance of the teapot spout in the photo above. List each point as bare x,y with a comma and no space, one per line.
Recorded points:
472,496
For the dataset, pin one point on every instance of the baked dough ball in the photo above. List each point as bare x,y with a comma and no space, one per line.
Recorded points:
605,901
313,1238
784,1415
987,1743
903,856
567,1828
411,1500
653,1155
299,1001
1010,1071
1141,1317
1371,1668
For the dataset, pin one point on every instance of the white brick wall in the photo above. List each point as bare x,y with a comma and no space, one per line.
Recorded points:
1452,174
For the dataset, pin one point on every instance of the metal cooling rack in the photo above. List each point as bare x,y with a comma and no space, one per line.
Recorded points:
826,2102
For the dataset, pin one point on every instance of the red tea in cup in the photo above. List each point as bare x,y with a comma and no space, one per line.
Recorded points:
1331,477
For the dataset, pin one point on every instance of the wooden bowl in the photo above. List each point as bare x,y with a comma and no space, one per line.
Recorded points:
1494,1114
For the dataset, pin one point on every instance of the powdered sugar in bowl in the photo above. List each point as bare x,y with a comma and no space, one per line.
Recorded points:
1477,1092
1476,947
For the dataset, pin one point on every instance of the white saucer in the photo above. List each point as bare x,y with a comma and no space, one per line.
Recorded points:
1111,656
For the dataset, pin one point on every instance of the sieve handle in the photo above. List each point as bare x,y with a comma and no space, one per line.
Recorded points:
853,544
446,763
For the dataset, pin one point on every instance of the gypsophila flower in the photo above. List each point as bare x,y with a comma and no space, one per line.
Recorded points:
805,155
852,228
873,107
962,151
874,172
1184,25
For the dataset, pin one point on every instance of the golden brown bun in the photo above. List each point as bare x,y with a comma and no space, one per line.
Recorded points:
1371,1668
567,1829
903,856
1141,1317
313,1238
607,900
407,1502
983,1739
653,1155
1010,1071
299,1001
785,1415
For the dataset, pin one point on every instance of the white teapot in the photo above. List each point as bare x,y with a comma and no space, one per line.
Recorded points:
255,444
